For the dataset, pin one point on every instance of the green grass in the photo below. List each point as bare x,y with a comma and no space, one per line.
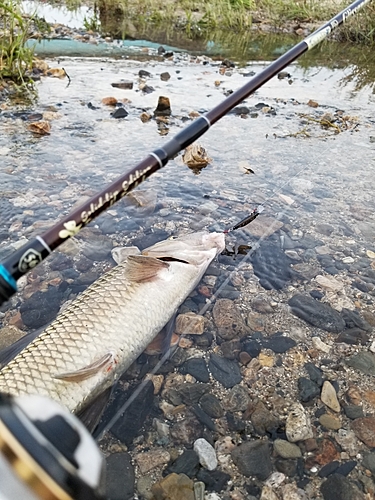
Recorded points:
15,57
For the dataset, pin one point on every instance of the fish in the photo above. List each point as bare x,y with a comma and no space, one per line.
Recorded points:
95,339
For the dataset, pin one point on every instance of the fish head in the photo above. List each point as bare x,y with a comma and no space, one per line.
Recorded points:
195,248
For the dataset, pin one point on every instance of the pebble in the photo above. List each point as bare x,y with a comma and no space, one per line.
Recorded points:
308,389
228,320
196,367
189,324
292,492
237,399
316,313
261,418
329,469
214,480
364,429
329,283
120,478
144,485
97,248
152,459
174,486
364,362
369,462
268,494
225,371
298,426
329,397
315,373
320,345
338,487
286,450
353,411
253,459
330,422
353,336
278,343
206,454
270,263
211,405
187,463
186,431
199,489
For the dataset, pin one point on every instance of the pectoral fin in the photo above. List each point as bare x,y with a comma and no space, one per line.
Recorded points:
140,268
88,371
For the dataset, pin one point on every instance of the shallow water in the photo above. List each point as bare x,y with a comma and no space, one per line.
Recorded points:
316,183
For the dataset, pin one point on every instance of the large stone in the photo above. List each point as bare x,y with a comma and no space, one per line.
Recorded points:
272,266
316,313
120,477
228,320
253,459
225,371
174,486
364,362
189,324
364,429
338,487
286,449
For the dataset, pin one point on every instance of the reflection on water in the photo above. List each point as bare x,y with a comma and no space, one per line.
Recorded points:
244,47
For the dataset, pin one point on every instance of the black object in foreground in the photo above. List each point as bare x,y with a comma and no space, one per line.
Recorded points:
36,250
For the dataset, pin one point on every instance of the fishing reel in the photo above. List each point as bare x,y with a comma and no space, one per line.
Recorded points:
46,453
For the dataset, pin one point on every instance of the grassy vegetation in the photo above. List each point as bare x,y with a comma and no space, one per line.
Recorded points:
15,57
197,16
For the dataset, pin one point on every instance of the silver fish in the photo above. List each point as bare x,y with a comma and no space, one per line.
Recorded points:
102,332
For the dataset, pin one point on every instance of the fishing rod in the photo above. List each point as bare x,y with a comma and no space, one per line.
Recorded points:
35,251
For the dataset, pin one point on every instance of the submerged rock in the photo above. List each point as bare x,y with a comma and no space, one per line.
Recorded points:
253,459
316,313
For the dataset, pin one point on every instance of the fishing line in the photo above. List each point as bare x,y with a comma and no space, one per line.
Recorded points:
34,252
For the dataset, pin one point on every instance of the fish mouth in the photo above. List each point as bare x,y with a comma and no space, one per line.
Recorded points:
172,259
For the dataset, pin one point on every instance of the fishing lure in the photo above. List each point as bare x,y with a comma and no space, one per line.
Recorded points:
244,222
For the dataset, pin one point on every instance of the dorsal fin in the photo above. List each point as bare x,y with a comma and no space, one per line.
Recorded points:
140,268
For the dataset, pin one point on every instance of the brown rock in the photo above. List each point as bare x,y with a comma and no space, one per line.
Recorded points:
261,418
228,320
125,84
165,76
354,395
312,104
327,452
109,101
149,460
145,117
174,486
369,396
330,422
164,107
364,429
10,334
245,358
40,128
56,72
190,324
187,431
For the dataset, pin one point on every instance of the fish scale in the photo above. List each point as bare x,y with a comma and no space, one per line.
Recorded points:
117,315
